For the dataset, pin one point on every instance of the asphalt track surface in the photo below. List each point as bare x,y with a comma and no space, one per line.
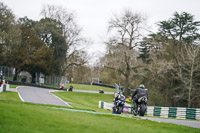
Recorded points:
39,95
195,124
43,96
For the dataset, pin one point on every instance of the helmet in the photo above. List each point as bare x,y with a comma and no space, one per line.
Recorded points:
141,86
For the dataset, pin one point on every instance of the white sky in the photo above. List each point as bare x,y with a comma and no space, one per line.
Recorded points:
93,15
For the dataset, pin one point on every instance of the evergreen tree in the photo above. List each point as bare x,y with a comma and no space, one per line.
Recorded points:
181,27
9,33
144,50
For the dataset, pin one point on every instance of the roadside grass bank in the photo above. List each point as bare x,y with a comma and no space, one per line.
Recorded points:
14,86
88,101
22,117
10,96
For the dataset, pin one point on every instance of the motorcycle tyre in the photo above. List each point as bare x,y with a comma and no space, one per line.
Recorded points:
134,113
114,111
120,109
142,110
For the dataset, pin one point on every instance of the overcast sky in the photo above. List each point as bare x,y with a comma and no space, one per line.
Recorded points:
93,15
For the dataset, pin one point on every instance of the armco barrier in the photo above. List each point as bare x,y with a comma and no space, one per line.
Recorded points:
108,106
30,84
197,114
172,112
164,112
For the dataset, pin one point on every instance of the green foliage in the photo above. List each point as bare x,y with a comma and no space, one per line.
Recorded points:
51,32
46,46
174,61
144,50
181,27
8,33
32,55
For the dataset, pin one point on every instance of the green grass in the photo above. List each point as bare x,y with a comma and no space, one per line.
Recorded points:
9,96
14,86
88,101
52,86
21,117
89,87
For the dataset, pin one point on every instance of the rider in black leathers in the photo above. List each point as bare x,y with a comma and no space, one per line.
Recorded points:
140,92
119,96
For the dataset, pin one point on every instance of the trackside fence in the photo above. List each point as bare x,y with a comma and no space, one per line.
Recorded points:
164,112
24,78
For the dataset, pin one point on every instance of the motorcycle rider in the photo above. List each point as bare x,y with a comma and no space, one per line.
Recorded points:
119,96
70,88
140,92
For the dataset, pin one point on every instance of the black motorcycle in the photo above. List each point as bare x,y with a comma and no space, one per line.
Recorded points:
70,88
142,106
119,105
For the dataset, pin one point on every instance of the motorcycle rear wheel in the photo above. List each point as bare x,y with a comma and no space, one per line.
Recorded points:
142,109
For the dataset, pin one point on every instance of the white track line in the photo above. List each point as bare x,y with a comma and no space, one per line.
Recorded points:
49,92
59,98
19,94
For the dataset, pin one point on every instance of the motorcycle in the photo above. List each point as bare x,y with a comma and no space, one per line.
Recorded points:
142,106
119,105
70,88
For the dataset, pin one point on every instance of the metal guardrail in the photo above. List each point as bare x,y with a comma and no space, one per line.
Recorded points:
31,84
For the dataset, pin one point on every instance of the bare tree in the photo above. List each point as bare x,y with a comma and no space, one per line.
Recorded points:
128,27
121,56
188,72
159,76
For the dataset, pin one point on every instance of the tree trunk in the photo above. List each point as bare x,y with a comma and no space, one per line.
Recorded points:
126,86
17,71
190,85
33,77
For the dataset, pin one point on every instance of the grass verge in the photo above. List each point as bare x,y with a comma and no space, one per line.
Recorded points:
14,86
9,96
88,101
21,117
